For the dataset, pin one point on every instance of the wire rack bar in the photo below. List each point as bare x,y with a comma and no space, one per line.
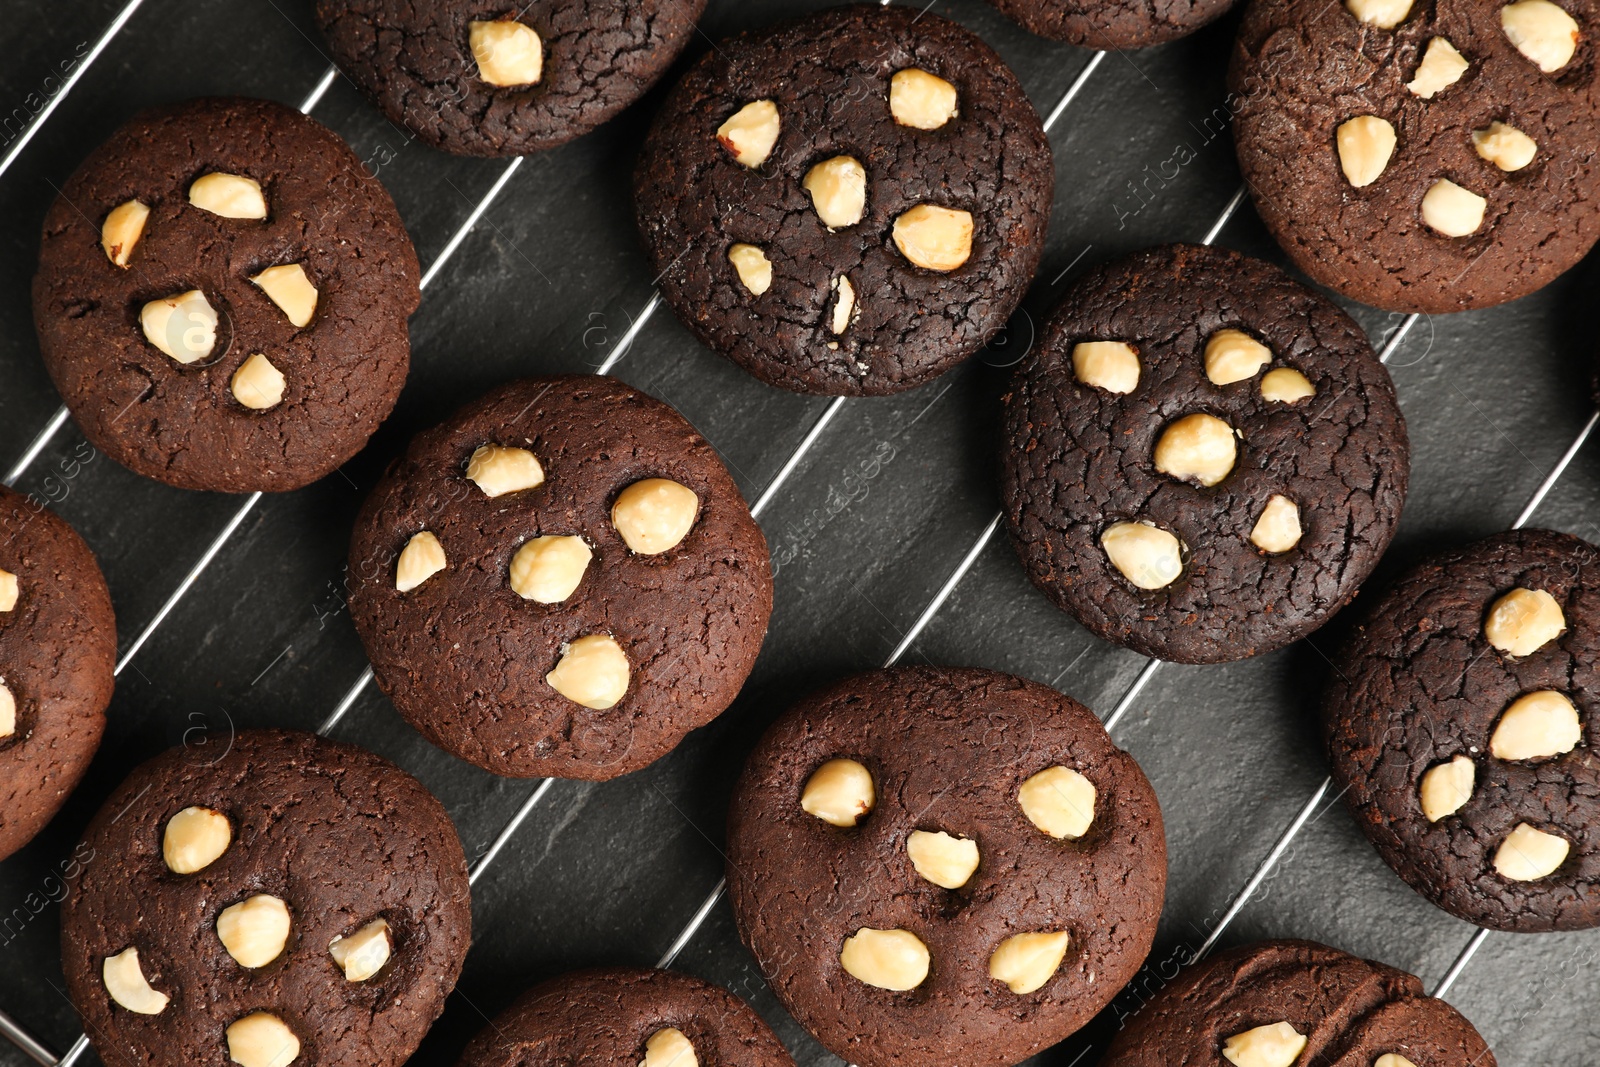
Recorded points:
634,328
1072,90
314,97
26,1041
350,697
1555,474
835,406
505,834
471,221
37,446
1473,945
111,30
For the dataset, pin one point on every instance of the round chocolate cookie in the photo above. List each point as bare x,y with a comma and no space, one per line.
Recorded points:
1113,24
561,579
222,297
849,203
498,79
944,866
627,1017
1422,157
58,642
264,899
1461,725
1276,1003
1203,459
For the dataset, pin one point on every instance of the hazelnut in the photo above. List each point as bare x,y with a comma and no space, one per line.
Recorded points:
1025,962
8,711
183,326
1145,554
421,559
257,384
654,515
1446,787
844,305
1366,143
254,931
124,980
122,229
1505,146
507,52
921,100
1286,385
549,569
1278,528
753,267
943,860
1542,32
593,672
669,1047
751,132
289,288
233,196
1384,14
839,792
1526,855
363,953
1536,726
1392,1059
887,959
498,470
1059,801
1451,210
261,1039
1109,365
194,839
1441,67
1197,447
8,590
1273,1045
1233,355
933,237
1524,621
838,189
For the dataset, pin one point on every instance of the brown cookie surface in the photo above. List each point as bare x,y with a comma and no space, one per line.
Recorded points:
1350,1012
1367,219
469,659
1469,765
258,381
419,63
625,1017
1203,459
1113,23
835,908
848,203
58,644
338,837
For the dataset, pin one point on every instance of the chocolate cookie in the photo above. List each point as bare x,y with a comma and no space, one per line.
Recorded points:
849,203
58,642
944,866
561,579
1202,458
222,297
627,1017
1276,1003
487,79
1460,722
1117,24
1422,157
265,899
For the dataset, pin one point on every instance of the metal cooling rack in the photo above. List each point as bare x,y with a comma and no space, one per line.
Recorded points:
876,510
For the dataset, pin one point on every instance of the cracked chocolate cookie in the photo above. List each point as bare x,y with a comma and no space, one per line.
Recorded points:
1277,1003
561,579
222,297
1113,24
268,899
58,642
1203,459
627,1017
1460,723
494,79
1423,157
944,866
849,203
